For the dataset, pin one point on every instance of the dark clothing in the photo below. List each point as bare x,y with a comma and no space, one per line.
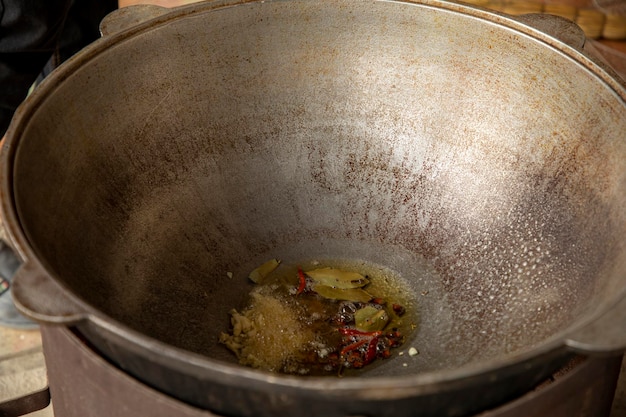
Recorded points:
38,35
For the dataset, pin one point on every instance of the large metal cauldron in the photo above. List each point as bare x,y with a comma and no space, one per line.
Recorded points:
481,159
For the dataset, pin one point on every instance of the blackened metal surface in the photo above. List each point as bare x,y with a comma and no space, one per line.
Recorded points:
586,389
83,384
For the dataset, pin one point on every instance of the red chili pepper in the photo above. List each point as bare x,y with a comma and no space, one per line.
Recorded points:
372,348
301,281
353,346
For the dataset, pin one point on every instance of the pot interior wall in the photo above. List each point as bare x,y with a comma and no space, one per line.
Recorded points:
484,167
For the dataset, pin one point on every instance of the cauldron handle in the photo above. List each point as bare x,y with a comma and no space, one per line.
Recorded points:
606,335
127,17
558,27
39,297
569,33
21,404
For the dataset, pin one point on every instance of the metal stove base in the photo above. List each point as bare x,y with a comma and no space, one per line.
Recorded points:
83,384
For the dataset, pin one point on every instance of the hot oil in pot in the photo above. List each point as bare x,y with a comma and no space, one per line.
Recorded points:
321,317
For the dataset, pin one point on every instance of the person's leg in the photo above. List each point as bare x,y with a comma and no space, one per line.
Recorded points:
82,26
29,34
38,35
